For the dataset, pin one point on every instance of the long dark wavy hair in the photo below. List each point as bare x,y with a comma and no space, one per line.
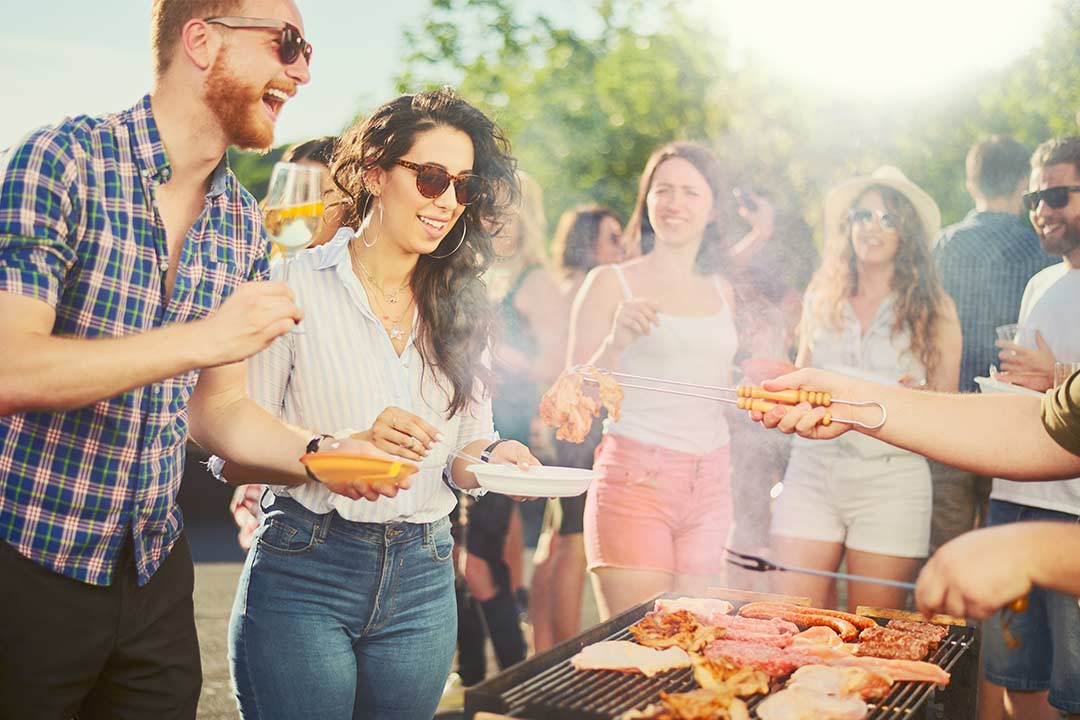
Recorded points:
639,236
574,244
919,294
456,318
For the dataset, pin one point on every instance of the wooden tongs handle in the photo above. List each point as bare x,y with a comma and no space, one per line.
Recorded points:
763,406
786,397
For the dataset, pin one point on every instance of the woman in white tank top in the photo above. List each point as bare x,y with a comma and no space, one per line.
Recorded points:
657,519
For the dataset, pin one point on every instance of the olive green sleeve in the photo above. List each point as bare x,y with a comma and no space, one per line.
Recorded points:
1061,414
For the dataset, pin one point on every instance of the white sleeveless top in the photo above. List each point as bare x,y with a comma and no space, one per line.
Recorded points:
696,349
877,353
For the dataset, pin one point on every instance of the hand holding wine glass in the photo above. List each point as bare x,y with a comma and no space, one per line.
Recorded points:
293,208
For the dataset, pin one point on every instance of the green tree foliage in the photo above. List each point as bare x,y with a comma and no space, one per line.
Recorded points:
584,105
586,93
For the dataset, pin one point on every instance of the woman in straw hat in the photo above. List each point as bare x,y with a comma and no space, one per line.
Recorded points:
875,309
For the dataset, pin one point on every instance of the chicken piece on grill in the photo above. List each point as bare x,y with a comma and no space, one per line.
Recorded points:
565,405
673,629
627,657
806,704
693,705
721,675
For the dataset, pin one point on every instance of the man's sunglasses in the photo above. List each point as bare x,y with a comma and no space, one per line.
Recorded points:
432,181
1055,197
888,221
291,44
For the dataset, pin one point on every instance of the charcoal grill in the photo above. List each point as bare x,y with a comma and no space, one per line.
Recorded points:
547,687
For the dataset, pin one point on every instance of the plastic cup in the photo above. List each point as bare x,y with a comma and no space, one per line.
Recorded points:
1007,333
1063,370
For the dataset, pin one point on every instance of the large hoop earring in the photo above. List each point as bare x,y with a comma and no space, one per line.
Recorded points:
464,229
363,233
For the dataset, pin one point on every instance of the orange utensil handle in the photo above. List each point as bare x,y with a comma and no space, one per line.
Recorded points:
786,397
764,406
1019,605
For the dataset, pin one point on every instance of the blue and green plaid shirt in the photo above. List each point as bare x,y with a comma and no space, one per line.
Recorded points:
79,230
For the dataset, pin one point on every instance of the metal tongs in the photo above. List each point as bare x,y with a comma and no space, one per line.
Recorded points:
749,397
760,564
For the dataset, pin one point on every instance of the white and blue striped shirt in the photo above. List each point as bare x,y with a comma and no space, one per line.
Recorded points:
342,371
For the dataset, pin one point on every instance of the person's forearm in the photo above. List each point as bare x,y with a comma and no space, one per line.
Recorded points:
994,435
256,446
462,477
55,374
605,356
1055,562
742,252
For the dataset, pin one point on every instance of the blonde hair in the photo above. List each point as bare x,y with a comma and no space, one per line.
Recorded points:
919,294
167,20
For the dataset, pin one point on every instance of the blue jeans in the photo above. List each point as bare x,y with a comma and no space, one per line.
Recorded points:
1048,657
336,619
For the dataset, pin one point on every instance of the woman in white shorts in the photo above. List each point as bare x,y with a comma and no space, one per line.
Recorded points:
875,307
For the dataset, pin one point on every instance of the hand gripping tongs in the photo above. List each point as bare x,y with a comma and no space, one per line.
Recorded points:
748,397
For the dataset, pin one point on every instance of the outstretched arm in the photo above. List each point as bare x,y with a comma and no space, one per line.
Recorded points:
996,435
960,581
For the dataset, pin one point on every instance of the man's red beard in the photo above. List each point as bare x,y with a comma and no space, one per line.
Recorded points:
238,108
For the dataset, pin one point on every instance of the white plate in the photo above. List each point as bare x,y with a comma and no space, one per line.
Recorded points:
545,481
993,385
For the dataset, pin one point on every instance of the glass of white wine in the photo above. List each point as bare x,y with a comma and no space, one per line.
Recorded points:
292,211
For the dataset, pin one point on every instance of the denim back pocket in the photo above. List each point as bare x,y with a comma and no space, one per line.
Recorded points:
287,534
439,541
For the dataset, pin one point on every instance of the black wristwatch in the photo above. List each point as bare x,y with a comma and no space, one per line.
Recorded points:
313,447
485,456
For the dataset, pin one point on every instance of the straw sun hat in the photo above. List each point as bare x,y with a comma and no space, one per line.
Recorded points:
840,199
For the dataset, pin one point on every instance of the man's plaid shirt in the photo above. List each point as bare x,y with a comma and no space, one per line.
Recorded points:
984,263
79,230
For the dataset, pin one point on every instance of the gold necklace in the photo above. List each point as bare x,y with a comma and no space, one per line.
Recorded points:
396,332
391,298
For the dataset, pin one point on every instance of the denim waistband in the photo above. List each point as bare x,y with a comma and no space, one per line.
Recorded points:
389,533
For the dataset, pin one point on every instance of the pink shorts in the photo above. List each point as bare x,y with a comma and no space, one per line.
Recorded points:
658,509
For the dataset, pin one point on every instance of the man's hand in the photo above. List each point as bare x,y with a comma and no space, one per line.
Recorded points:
249,320
1032,381
979,572
358,487
1026,362
802,418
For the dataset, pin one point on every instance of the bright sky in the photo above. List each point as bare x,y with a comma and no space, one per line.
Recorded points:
77,56
879,49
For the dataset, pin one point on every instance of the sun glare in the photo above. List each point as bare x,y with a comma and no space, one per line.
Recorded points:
879,50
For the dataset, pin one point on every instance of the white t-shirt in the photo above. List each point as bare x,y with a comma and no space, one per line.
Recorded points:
1051,305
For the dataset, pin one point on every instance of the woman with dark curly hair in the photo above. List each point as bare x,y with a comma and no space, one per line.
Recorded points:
874,309
662,506
346,607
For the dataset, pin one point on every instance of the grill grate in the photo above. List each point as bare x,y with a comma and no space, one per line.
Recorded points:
548,687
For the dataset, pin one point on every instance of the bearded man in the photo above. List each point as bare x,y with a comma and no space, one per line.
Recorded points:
1043,676
132,285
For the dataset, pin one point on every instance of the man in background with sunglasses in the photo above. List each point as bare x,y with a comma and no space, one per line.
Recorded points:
131,288
984,261
1049,656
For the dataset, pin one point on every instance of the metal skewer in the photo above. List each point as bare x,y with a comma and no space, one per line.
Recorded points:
750,397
